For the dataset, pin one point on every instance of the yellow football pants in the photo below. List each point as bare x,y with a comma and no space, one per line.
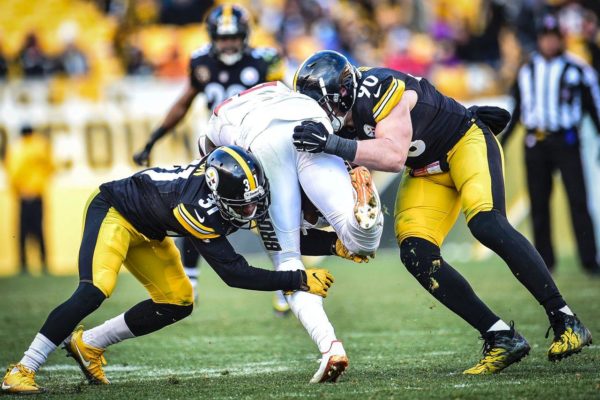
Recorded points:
427,207
110,241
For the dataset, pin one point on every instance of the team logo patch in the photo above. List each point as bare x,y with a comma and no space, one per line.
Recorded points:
202,73
249,76
212,178
369,130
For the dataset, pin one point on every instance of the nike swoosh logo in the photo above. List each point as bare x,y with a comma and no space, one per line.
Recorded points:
85,362
378,91
324,137
201,219
316,277
5,386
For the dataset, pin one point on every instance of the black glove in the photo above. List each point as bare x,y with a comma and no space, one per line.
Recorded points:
310,137
142,157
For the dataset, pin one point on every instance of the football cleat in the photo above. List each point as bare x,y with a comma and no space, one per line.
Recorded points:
500,349
20,380
89,358
280,304
367,206
333,364
570,336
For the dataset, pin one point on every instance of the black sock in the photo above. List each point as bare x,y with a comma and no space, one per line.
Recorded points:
64,318
494,231
422,259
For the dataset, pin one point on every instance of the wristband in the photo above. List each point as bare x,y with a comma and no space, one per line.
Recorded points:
344,148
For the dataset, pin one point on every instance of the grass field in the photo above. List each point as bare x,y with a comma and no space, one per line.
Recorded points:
401,342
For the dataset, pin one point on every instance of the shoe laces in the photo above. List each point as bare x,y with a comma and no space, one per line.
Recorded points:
27,374
558,323
489,339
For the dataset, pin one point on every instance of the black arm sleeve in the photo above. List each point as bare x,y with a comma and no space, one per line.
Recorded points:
235,271
516,114
591,99
318,243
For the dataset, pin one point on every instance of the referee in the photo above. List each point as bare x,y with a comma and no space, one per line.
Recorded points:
552,92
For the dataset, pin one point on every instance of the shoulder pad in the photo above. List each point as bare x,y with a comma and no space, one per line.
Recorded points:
202,51
265,53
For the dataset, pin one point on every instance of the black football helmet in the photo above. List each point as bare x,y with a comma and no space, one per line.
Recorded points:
239,186
330,79
226,21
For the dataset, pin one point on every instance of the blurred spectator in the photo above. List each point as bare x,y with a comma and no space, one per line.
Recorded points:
29,167
180,12
480,42
552,92
71,61
135,59
590,35
3,65
32,59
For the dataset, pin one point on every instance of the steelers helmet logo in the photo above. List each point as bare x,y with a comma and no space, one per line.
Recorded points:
202,73
212,178
249,76
369,130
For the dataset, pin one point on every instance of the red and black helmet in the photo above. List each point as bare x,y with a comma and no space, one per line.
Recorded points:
330,79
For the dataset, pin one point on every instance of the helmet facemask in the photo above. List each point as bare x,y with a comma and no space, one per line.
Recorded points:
248,212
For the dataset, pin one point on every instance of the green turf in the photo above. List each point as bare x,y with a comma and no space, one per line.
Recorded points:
401,342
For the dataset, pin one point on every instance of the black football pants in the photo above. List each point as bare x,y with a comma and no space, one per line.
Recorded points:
558,152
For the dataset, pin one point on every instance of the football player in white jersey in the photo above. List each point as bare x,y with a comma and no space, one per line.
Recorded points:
262,119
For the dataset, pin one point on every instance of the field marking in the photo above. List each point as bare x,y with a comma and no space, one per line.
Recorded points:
152,373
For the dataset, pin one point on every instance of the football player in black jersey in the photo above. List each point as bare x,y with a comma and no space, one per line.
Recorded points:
453,162
222,69
129,222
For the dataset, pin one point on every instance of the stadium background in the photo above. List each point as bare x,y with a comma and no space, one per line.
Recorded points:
96,113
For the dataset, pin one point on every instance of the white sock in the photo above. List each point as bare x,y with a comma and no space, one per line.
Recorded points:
566,310
38,352
113,331
499,326
308,308
191,272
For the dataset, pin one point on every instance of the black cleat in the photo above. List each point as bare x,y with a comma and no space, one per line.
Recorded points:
500,349
570,336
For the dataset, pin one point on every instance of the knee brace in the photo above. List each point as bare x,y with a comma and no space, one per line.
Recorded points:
422,259
148,316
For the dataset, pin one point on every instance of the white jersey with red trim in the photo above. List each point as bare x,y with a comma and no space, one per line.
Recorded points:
242,118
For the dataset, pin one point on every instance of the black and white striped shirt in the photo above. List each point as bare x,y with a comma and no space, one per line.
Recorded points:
551,95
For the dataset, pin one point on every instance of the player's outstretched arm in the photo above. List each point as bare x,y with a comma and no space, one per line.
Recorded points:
174,116
235,271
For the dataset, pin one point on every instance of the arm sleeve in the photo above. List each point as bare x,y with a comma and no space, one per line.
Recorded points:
318,243
235,271
516,113
591,96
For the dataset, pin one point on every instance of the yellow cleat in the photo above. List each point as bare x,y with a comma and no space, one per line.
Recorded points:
570,336
500,349
20,380
89,358
280,304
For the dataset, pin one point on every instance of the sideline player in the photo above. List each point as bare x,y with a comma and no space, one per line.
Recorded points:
262,119
129,222
219,70
453,162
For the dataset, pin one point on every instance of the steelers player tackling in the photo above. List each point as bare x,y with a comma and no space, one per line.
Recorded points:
453,163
